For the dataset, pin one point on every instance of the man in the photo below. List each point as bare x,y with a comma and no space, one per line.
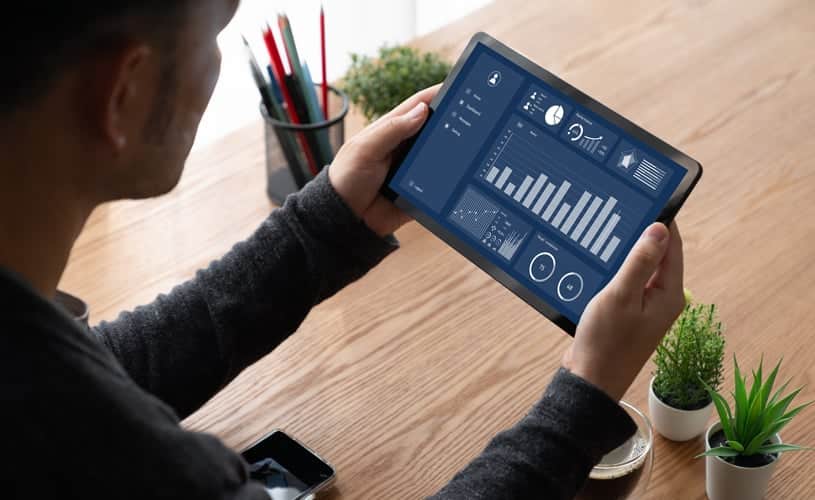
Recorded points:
105,106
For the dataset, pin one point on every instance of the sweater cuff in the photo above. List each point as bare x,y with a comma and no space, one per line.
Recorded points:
597,422
328,219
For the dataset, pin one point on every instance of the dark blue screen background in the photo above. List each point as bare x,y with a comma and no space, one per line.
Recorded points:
541,187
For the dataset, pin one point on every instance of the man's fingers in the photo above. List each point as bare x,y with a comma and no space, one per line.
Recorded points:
669,276
391,130
424,96
643,261
399,124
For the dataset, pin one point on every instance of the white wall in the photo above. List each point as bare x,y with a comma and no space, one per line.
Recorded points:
351,26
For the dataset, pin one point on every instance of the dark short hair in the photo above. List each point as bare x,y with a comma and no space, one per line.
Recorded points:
40,40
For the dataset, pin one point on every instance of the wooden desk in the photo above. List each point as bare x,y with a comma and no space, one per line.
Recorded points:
404,376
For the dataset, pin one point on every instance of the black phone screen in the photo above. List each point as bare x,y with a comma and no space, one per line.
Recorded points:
286,468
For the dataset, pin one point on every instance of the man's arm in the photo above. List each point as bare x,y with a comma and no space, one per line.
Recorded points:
188,344
185,346
550,452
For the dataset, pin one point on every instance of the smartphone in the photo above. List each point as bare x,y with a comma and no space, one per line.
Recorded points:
288,469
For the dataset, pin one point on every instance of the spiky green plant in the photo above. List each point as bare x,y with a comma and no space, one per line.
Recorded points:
690,356
756,417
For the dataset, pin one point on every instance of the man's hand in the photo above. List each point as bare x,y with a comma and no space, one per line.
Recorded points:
624,323
362,164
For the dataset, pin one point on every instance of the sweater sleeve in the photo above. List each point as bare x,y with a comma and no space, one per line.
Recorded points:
188,344
550,452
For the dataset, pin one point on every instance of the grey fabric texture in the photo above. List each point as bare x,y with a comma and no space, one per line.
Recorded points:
186,345
97,416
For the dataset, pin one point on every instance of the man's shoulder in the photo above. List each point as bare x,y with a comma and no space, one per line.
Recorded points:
43,359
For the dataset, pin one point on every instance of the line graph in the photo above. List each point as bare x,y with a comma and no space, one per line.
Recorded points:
474,213
493,228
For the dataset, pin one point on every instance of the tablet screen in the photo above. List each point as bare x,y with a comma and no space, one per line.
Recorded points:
542,188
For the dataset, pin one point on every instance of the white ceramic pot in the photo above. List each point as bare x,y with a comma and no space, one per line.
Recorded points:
725,481
675,424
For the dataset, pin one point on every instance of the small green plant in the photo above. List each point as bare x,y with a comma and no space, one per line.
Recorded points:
378,84
690,358
757,416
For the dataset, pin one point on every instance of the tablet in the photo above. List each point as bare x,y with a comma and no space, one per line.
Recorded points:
535,182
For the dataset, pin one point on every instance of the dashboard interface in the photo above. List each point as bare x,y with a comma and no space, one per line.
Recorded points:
540,187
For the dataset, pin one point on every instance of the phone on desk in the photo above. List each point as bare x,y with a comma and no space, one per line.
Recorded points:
288,469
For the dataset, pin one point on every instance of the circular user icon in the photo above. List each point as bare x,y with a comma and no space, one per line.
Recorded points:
570,287
494,79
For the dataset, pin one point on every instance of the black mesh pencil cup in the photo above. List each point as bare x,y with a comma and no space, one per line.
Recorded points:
296,152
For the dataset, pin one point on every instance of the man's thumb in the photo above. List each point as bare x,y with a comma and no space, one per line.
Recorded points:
394,129
643,260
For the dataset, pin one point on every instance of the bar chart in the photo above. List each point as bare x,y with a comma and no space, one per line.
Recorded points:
522,168
494,228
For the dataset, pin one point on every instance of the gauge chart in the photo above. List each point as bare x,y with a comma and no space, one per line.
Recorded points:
585,134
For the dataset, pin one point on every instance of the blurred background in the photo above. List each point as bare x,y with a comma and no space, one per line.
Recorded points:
358,26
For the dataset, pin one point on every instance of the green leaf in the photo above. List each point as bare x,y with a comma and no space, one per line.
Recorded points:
777,410
768,385
775,426
756,388
763,436
740,397
753,422
735,445
723,409
780,448
779,391
796,411
721,451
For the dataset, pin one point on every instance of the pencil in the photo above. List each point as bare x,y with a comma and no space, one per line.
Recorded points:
323,140
280,73
276,92
319,138
273,109
324,63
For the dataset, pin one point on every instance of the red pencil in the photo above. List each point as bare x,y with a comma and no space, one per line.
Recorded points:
280,74
279,71
325,73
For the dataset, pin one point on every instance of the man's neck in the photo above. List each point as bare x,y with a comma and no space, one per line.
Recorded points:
47,190
38,226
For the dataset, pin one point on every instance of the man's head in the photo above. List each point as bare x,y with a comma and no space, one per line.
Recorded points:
110,93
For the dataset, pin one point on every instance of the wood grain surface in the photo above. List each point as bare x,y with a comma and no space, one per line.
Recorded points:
404,376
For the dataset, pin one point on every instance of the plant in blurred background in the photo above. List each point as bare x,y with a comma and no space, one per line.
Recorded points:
377,85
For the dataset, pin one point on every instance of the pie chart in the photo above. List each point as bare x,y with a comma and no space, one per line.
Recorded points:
554,115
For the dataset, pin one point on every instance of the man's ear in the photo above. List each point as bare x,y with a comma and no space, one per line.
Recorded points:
123,89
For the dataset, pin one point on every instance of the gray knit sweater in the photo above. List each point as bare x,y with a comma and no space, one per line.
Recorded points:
97,416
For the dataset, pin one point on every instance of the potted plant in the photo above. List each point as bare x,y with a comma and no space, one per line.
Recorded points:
687,360
743,448
377,85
